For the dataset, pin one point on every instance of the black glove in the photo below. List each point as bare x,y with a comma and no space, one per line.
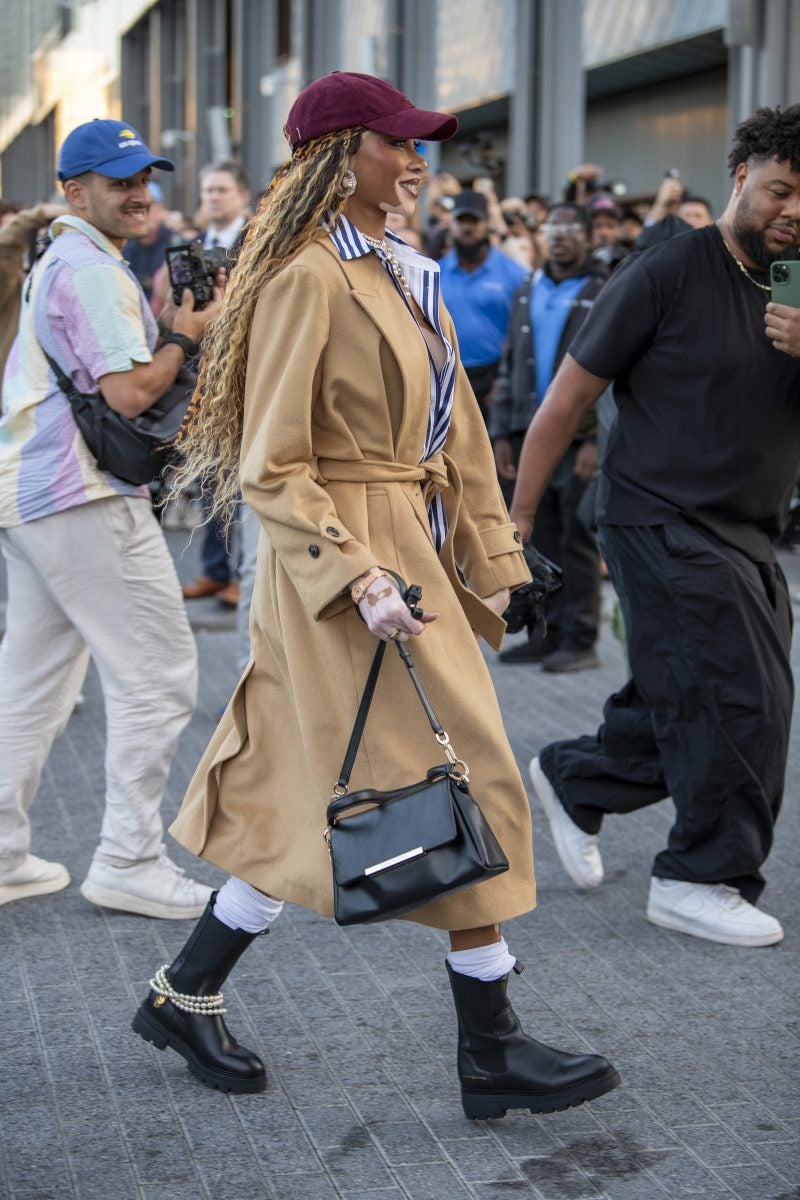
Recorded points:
528,605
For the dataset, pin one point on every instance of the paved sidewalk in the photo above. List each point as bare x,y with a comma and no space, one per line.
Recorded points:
357,1027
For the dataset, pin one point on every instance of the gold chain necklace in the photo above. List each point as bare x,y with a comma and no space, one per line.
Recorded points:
764,286
394,265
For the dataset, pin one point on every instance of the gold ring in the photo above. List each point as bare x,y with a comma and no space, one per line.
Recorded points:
394,636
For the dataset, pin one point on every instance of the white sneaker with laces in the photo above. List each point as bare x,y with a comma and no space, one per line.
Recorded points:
156,887
577,850
33,877
710,910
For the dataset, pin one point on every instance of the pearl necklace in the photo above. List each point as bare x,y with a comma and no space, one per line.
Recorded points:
394,265
764,286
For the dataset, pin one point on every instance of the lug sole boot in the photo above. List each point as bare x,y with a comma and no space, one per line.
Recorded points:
501,1067
187,1014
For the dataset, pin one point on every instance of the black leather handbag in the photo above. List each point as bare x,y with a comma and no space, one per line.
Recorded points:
136,449
395,851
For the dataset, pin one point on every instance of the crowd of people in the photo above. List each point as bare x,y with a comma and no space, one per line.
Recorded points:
375,392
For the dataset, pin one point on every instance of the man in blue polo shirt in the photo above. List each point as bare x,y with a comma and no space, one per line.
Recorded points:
478,283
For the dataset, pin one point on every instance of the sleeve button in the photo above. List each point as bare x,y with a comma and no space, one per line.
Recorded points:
313,550
332,530
517,536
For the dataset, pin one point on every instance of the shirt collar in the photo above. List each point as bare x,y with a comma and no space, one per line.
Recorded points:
351,243
91,231
422,274
227,236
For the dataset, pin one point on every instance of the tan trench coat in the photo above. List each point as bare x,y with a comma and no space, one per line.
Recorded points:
336,406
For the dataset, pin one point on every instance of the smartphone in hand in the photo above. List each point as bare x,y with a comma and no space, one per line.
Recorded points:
785,282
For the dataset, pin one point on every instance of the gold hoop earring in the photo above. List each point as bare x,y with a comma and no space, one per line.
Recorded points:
348,185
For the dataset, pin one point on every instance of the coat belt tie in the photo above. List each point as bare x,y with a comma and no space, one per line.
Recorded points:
432,474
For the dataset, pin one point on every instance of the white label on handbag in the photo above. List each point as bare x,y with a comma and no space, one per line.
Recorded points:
393,862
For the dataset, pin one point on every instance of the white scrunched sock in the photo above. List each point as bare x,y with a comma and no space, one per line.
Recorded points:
240,906
484,962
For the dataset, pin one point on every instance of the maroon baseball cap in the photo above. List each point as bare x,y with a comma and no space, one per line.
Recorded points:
345,99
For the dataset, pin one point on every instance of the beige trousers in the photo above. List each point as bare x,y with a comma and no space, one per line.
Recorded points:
95,580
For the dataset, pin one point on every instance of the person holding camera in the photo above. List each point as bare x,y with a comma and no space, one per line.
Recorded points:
89,573
695,484
224,210
346,416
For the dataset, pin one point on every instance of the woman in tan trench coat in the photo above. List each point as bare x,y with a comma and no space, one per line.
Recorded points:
332,382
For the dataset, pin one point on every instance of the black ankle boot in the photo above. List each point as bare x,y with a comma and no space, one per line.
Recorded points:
201,1037
500,1067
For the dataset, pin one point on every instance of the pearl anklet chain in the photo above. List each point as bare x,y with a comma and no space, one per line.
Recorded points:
207,1006
391,258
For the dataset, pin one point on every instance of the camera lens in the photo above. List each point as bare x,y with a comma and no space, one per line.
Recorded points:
780,273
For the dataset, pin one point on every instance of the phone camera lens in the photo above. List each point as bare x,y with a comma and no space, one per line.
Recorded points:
780,273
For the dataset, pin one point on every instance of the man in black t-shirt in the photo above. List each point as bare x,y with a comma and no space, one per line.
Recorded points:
696,479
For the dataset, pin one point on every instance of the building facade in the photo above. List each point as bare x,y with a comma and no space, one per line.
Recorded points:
638,86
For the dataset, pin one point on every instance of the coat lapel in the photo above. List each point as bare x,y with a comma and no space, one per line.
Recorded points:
374,292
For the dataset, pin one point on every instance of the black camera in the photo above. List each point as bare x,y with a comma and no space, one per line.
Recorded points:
194,268
780,273
528,606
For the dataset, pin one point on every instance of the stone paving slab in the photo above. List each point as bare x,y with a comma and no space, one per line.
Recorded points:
357,1028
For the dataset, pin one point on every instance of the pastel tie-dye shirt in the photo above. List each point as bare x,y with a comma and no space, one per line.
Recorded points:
85,307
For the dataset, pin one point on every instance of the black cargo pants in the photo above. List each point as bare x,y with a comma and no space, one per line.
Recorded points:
705,718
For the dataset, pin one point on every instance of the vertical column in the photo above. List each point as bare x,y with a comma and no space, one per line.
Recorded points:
325,26
135,76
416,58
177,101
210,46
253,99
548,108
154,70
191,155
764,63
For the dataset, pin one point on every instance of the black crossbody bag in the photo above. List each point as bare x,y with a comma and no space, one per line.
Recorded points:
395,851
136,449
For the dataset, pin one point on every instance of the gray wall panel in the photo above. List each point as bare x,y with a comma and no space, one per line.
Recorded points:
683,124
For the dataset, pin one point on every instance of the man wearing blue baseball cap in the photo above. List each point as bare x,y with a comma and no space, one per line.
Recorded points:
89,573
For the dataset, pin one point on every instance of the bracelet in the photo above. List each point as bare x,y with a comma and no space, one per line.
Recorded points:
190,349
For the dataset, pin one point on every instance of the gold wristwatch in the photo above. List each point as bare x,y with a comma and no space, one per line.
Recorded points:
359,589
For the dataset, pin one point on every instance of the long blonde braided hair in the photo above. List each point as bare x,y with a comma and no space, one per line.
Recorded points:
305,191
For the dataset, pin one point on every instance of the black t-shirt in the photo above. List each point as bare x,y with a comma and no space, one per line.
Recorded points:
709,411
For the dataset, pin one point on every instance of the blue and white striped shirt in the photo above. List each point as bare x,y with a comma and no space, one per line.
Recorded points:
422,277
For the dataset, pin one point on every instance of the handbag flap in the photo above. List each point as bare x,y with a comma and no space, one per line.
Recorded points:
402,826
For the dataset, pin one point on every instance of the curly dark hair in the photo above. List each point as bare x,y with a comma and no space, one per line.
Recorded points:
769,133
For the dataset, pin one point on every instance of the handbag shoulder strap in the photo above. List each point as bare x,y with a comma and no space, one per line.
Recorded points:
366,700
62,379
361,719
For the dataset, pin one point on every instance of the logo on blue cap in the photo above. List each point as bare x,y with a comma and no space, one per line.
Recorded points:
109,148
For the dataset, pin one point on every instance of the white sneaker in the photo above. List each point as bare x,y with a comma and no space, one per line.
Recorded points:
710,910
577,850
156,887
33,877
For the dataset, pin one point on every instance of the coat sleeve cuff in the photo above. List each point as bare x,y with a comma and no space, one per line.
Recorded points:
502,563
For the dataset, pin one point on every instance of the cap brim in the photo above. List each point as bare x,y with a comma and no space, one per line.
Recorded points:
131,164
469,212
416,123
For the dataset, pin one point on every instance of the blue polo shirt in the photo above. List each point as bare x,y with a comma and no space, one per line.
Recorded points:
551,303
479,302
